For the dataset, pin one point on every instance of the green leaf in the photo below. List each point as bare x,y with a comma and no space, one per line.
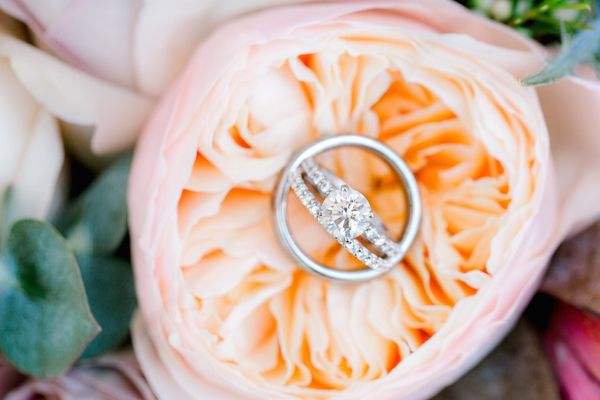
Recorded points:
45,321
539,19
578,50
111,294
575,6
97,221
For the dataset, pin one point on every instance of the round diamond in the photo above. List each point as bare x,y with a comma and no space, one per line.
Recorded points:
347,211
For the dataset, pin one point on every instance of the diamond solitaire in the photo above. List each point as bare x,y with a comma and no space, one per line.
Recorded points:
346,212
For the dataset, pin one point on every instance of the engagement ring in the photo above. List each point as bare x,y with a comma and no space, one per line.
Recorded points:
344,212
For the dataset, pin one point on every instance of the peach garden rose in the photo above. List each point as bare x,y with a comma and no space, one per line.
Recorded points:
505,173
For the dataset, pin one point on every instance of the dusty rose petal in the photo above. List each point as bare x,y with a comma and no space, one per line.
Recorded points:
114,376
573,343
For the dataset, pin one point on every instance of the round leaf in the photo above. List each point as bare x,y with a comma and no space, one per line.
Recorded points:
97,221
45,321
111,293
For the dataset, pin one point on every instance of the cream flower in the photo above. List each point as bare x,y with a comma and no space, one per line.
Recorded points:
38,93
127,51
136,44
225,312
29,136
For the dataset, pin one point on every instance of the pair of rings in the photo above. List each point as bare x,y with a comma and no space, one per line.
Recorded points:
344,212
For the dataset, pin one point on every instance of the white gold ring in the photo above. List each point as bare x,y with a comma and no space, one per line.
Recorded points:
344,212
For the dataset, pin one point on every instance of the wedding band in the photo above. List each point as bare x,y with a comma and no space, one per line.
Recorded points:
344,212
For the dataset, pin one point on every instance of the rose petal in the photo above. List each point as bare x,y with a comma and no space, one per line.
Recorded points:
147,44
77,98
114,376
30,139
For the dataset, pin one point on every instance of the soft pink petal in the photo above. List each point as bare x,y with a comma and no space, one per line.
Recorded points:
114,376
31,154
137,44
571,108
116,113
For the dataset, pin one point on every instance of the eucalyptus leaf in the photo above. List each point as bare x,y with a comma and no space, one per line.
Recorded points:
517,369
111,293
580,49
97,222
45,321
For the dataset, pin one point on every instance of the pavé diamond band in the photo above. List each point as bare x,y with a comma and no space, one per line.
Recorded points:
344,212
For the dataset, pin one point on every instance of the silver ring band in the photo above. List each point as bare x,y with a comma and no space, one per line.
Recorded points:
291,177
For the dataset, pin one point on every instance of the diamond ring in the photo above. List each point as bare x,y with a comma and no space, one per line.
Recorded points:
344,212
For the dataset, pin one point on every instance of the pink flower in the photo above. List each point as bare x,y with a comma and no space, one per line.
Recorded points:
505,173
28,132
573,343
132,43
114,376
88,107
127,53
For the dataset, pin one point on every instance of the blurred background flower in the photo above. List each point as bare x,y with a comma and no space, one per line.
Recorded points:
40,95
554,352
572,339
111,377
123,69
31,154
149,41
573,344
